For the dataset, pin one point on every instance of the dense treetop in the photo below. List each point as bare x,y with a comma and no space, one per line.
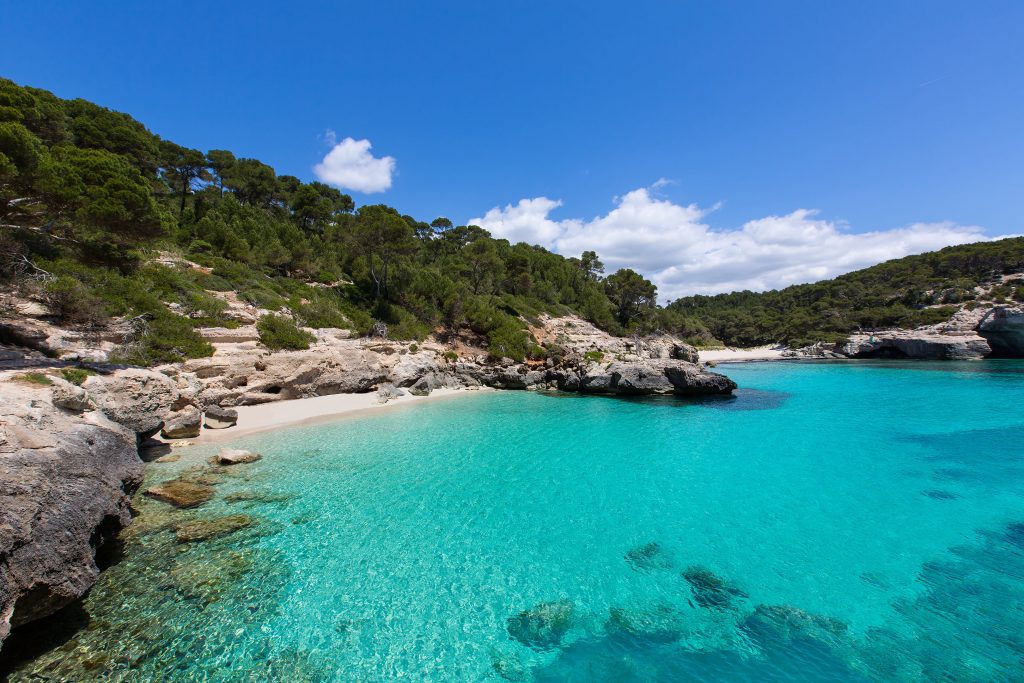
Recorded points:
906,292
88,196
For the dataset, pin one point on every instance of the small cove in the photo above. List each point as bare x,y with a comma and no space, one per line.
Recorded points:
833,521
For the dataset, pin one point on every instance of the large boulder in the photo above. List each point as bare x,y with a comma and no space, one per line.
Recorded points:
65,486
137,399
922,345
626,378
236,456
68,396
690,380
220,418
1003,329
185,424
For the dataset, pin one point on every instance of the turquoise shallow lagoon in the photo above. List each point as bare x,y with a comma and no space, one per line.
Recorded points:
832,522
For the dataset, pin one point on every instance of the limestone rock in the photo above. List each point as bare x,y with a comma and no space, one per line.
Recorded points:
181,493
690,380
205,529
236,456
923,345
220,418
68,396
631,379
184,424
135,398
1003,328
65,486
544,625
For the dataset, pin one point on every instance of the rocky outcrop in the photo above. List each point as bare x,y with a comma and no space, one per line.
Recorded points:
236,456
185,424
181,493
639,378
923,345
1003,328
65,482
138,399
220,418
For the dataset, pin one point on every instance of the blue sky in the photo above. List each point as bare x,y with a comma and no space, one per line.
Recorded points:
878,115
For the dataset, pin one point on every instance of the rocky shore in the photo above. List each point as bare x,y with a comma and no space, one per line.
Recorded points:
69,453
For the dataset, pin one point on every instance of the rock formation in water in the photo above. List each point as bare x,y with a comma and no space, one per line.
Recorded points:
65,482
69,459
1003,328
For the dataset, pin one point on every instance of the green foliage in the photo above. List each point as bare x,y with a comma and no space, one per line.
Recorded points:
593,356
278,332
76,375
34,378
904,292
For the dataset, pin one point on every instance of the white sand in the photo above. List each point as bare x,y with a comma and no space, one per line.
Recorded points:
301,411
741,355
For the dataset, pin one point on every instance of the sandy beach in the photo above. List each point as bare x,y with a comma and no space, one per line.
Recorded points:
303,411
743,355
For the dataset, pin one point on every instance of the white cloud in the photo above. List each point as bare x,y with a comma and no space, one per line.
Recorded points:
673,245
350,165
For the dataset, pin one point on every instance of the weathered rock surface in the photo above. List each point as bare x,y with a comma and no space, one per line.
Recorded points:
220,418
185,424
205,529
544,625
181,493
1003,328
65,482
236,456
653,377
66,395
137,399
915,344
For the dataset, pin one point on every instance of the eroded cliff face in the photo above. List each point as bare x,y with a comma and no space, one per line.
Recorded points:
1003,329
65,482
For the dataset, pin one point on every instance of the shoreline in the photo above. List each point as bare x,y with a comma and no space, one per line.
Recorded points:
732,355
299,412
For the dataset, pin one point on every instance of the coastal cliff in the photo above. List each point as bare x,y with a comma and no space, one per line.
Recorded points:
66,477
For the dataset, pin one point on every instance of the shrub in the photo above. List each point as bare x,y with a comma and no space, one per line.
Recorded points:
413,348
34,378
450,356
593,356
278,332
167,338
76,375
72,303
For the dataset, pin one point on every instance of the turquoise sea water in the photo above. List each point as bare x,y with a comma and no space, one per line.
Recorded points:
833,522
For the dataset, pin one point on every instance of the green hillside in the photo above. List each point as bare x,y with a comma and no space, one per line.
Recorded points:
89,197
906,292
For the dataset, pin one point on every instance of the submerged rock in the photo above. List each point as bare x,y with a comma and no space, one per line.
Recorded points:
543,626
660,624
509,666
257,497
710,590
649,556
788,623
220,418
236,456
181,493
204,529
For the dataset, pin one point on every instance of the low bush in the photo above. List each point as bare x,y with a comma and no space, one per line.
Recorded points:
76,375
278,332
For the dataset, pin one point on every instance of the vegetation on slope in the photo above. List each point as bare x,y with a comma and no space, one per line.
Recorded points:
88,196
906,292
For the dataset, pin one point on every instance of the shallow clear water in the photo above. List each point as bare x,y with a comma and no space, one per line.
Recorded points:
833,522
